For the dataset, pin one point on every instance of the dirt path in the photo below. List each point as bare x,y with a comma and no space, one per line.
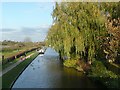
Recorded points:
13,65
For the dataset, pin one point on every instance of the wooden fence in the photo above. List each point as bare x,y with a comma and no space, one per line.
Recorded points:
9,59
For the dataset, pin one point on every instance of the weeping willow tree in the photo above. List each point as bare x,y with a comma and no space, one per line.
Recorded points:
77,30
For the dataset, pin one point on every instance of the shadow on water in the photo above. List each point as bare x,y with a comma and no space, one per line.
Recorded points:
47,72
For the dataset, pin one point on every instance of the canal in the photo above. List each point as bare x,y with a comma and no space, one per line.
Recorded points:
46,71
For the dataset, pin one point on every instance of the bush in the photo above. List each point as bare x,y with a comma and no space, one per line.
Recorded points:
106,77
73,64
99,70
70,63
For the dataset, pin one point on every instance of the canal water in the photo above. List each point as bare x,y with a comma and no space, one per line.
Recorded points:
46,71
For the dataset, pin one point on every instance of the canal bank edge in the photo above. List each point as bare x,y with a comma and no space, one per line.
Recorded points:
106,80
24,64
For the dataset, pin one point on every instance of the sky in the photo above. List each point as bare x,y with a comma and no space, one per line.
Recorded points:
26,19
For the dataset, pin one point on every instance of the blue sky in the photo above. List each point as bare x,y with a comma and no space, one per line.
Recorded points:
26,19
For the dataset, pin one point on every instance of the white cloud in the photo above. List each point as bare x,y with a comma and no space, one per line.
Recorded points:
35,33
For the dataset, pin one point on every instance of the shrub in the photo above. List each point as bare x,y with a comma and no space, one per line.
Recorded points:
100,73
70,63
74,64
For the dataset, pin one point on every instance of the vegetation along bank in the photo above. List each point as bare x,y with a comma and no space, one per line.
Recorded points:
87,37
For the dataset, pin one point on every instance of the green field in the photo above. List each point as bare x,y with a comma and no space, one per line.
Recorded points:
11,48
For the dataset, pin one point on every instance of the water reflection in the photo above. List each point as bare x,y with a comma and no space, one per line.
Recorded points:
46,71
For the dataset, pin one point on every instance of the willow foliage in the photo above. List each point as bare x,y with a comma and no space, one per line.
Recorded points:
77,29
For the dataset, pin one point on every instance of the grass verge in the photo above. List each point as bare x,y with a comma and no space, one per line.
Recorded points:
9,78
14,61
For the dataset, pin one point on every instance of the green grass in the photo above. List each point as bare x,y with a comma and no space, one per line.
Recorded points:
9,53
9,78
14,61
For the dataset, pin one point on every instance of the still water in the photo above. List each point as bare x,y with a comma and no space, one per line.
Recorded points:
46,71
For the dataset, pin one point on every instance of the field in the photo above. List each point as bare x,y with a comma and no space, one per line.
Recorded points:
10,48
12,51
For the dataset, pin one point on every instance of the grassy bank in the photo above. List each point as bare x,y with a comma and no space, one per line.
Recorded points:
9,78
98,73
14,61
73,64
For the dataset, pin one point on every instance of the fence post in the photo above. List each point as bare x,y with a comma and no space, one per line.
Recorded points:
2,57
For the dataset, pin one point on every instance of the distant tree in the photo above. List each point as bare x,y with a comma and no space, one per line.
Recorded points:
27,39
